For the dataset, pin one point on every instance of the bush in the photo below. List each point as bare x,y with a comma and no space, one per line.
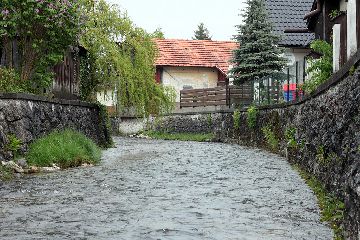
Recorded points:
290,137
252,116
66,149
5,173
10,81
270,138
320,69
13,145
236,119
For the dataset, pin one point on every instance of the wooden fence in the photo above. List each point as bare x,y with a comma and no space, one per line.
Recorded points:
218,96
241,95
204,97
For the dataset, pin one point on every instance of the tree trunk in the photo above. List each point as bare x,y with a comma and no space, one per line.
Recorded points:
15,50
2,57
29,59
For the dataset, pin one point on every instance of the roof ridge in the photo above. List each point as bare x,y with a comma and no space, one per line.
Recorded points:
192,40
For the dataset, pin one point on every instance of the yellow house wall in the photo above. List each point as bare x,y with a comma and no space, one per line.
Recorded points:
179,77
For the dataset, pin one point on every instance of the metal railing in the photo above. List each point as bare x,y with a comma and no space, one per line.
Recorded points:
280,87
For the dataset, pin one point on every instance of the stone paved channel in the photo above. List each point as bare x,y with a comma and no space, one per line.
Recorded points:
150,189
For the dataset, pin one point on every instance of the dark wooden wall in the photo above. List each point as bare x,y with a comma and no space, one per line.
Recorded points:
66,82
321,24
343,40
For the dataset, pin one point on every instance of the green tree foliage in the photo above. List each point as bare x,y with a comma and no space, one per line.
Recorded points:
258,55
270,138
42,31
236,119
319,69
202,33
252,113
10,81
121,56
158,33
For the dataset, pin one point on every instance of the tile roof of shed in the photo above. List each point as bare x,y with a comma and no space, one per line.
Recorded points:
195,53
289,14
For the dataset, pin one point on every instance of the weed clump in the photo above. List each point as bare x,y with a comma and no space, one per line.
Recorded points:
64,148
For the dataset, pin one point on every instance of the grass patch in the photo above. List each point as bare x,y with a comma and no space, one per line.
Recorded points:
65,149
332,209
5,173
201,137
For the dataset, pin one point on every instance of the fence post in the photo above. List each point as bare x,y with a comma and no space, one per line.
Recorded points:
268,88
228,95
304,76
180,99
297,80
304,70
258,89
278,90
288,85
204,97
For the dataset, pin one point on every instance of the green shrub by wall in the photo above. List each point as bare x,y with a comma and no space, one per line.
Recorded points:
252,116
66,149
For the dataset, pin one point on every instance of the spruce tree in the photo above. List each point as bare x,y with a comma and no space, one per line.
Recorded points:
258,54
202,33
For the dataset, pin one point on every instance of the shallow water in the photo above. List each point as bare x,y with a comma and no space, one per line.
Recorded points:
151,189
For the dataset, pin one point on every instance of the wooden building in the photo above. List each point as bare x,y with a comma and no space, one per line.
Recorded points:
337,22
284,14
193,64
66,80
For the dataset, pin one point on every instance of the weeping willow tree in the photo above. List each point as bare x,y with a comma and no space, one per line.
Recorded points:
120,56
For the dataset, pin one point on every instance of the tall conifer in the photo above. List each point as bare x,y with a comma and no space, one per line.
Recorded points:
202,33
258,54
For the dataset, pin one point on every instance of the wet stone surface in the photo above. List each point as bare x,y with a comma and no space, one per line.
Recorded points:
147,189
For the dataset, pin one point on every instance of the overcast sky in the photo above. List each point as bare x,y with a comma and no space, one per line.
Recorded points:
180,18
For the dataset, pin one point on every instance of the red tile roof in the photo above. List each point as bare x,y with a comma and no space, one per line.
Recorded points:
195,53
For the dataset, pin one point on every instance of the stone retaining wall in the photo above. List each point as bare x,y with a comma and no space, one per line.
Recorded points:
326,140
29,117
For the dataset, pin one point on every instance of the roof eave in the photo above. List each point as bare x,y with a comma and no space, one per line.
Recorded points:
294,46
177,65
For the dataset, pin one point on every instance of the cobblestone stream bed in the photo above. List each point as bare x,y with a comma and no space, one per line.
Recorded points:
150,189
